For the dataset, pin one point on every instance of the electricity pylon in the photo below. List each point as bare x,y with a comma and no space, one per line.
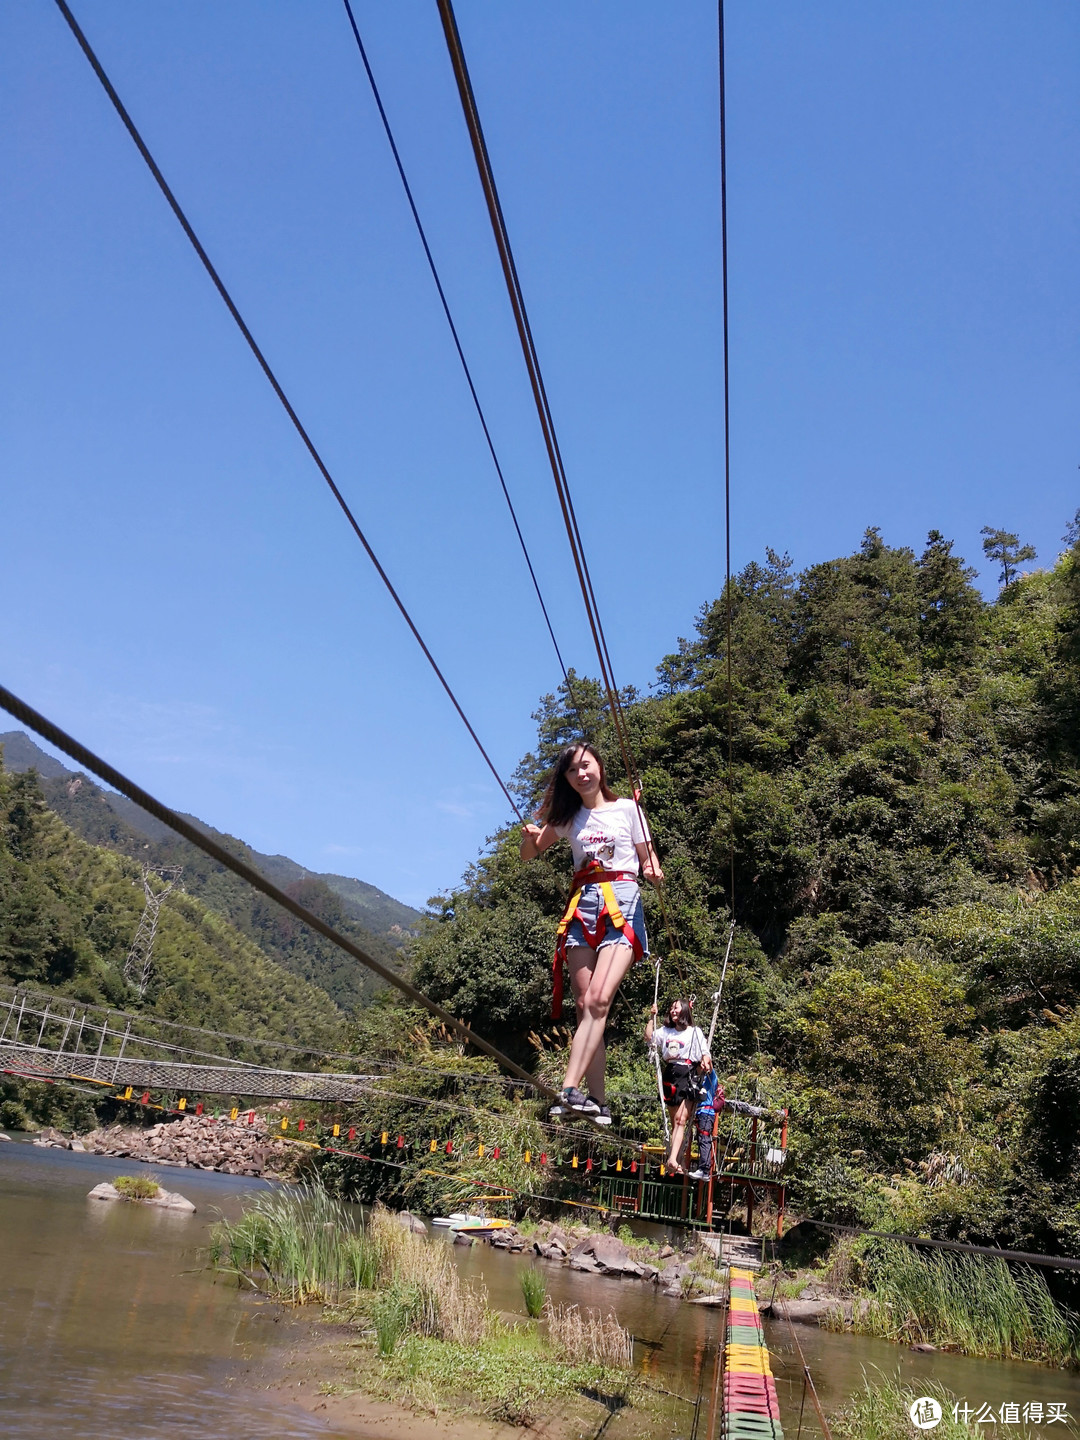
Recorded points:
137,966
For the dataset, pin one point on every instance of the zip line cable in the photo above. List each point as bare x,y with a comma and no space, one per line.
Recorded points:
275,384
728,598
104,771
543,408
457,342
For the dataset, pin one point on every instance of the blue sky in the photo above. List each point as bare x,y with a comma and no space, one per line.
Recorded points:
179,589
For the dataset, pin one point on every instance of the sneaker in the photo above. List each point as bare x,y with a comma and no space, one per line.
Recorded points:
561,1106
699,1174
603,1115
578,1101
573,1102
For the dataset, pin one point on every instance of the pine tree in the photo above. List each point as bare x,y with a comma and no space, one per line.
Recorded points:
1004,548
949,606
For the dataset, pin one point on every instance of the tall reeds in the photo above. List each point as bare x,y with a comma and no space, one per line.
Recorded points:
977,1305
881,1411
306,1246
534,1290
589,1338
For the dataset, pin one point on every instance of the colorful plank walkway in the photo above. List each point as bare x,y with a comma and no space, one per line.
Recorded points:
751,1411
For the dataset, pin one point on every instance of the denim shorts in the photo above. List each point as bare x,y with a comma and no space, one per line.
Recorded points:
591,903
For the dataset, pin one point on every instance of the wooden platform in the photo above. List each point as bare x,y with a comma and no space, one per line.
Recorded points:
741,1250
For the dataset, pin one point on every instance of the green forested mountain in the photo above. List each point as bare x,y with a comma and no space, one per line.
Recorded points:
69,910
374,920
905,823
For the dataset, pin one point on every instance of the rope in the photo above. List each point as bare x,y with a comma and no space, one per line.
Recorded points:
720,987
547,422
656,1058
457,344
275,385
55,736
808,1379
1017,1257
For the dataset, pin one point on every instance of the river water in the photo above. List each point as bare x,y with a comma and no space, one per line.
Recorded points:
111,1327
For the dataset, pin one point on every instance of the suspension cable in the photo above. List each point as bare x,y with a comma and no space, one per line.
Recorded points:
728,597
543,409
275,384
104,771
457,344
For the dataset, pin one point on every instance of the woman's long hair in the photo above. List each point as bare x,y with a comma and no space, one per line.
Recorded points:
685,1010
561,801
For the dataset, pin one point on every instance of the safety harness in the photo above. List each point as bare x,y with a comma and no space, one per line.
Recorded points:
592,874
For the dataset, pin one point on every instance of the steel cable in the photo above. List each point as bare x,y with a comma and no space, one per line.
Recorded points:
543,409
104,771
458,345
275,384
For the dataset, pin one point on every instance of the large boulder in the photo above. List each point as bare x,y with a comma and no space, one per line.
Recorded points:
163,1200
411,1222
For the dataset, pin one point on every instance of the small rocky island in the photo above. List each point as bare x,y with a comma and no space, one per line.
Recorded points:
140,1190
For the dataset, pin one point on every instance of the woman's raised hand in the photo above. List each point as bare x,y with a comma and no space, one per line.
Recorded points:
532,831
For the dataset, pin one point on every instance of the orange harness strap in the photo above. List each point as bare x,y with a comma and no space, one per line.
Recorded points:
593,874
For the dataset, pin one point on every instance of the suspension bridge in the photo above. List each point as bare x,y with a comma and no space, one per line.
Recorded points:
80,1044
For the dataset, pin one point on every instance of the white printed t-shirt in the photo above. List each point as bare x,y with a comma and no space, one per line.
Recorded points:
607,834
673,1044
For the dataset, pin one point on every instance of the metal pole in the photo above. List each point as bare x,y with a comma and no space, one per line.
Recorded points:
123,1042
101,1042
11,1007
78,1037
67,1028
44,1022
712,1167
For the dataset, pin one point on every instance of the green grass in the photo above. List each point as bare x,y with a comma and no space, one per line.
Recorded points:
512,1375
880,1411
435,1338
301,1246
968,1303
136,1187
534,1289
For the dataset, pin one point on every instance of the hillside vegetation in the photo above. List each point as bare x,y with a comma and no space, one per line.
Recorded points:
906,833
374,920
68,912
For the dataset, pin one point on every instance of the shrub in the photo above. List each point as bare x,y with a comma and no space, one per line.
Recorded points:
136,1187
534,1289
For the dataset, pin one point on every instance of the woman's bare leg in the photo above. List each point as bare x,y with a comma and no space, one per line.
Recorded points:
679,1117
605,976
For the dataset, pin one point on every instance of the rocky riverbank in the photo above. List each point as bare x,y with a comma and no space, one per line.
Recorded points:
198,1141
692,1272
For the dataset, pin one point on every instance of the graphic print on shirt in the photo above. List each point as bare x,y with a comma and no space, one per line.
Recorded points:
674,1045
598,846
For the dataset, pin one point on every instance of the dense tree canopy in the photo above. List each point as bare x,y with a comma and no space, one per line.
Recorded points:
905,823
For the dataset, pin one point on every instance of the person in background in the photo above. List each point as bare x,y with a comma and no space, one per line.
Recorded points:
710,1100
682,1048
